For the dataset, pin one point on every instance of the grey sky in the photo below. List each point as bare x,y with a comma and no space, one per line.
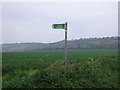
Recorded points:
31,22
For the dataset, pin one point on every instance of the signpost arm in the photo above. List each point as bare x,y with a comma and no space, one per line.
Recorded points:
65,44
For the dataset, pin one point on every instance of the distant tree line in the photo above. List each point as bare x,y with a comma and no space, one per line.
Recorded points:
82,43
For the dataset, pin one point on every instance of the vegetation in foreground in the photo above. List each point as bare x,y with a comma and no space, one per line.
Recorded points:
45,69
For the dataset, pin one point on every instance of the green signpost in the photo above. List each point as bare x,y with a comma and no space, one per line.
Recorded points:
58,26
63,26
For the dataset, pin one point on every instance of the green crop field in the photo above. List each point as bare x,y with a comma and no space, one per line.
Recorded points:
45,69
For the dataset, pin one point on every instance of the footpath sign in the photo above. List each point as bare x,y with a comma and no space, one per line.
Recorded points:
58,26
63,26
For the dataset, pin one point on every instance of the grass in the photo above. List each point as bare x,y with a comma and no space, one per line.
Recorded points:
45,69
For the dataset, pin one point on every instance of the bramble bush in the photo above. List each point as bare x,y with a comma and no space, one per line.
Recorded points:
91,74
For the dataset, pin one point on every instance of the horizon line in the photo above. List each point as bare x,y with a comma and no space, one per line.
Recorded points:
59,40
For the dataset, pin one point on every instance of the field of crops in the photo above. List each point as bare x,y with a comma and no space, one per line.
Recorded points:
45,69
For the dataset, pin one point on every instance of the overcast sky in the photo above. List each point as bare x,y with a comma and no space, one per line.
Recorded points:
31,22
